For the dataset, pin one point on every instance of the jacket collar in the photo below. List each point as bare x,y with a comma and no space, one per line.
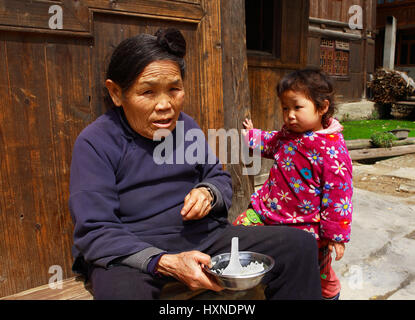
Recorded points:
128,131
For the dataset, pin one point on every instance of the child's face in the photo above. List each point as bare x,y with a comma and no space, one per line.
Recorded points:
299,113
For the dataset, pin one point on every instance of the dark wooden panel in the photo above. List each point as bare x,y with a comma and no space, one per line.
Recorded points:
9,216
51,88
265,73
236,95
265,112
403,12
313,50
34,16
371,57
47,107
210,61
337,10
349,89
294,32
264,97
110,30
355,57
69,83
189,10
30,164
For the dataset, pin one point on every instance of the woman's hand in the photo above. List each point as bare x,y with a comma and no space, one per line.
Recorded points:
187,267
196,204
338,247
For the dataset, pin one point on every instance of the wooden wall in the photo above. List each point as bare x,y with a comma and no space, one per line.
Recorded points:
266,71
51,86
404,12
333,15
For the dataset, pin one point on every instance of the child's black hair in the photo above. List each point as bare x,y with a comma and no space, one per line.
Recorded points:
315,85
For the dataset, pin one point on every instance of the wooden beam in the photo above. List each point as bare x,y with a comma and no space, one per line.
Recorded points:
365,143
70,289
33,15
236,94
381,152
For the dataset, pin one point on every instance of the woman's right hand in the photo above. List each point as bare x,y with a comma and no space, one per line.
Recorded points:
187,267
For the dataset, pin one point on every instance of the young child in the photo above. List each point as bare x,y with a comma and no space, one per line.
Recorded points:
310,184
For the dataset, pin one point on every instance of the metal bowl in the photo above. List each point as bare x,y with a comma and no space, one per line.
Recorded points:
240,282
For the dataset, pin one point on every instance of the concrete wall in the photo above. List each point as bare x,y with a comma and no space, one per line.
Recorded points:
360,110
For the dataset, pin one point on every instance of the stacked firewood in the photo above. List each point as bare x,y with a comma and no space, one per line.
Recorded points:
391,85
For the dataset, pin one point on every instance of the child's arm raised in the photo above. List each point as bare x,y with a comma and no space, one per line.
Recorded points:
267,141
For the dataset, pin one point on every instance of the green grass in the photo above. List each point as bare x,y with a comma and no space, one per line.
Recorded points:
363,129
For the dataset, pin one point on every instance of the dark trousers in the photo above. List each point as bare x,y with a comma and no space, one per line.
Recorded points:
294,276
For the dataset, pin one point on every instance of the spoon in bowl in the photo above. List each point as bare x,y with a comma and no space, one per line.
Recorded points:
234,267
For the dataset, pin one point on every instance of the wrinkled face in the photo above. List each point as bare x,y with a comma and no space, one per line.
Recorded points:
299,113
155,100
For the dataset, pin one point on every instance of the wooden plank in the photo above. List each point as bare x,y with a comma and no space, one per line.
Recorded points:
236,94
381,152
157,8
30,165
51,88
314,8
69,91
46,97
32,15
9,222
210,57
71,289
295,15
75,289
365,143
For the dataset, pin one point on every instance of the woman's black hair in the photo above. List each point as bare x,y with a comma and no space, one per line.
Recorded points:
315,85
132,55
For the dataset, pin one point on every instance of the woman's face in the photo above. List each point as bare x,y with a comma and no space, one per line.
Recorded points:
155,100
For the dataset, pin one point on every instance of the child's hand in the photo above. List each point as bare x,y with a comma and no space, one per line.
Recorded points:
338,247
248,124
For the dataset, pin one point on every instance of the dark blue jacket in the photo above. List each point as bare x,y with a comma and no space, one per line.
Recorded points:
123,203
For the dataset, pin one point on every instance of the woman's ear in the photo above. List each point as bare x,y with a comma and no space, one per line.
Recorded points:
326,104
115,92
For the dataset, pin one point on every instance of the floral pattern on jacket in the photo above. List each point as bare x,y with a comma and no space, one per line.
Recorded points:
310,184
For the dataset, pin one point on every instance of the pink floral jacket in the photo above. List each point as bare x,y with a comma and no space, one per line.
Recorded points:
310,183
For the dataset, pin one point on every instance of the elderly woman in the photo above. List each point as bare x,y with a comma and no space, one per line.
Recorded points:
139,223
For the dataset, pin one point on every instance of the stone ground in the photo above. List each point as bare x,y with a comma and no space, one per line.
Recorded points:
379,261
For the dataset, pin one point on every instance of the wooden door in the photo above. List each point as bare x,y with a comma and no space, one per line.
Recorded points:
267,63
51,87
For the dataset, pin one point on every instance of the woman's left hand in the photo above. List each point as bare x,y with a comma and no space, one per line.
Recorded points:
196,204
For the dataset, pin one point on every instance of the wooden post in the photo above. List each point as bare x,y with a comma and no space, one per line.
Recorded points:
390,42
236,94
